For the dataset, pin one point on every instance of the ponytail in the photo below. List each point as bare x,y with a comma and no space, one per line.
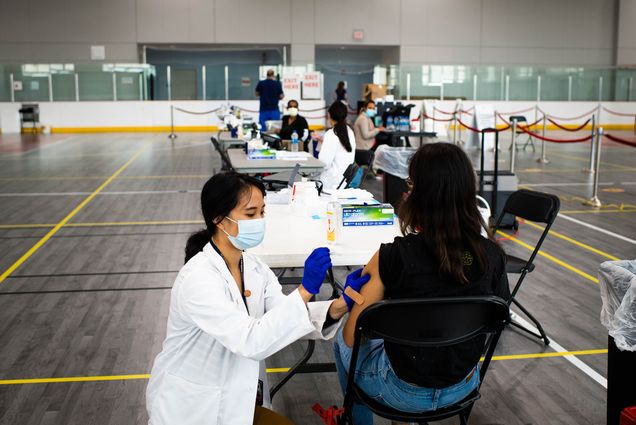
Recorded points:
338,113
195,244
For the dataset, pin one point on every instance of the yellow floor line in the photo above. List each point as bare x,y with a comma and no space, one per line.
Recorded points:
627,210
68,217
574,241
274,370
102,224
191,176
550,257
587,160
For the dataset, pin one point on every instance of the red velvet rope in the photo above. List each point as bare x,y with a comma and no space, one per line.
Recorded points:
438,119
621,141
518,125
548,139
581,127
443,112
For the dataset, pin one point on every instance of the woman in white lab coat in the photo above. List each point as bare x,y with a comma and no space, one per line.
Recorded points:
228,313
338,147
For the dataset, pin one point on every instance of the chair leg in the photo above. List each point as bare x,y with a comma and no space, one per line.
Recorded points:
541,335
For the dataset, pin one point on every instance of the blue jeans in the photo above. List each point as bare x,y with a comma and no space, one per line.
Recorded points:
375,376
263,116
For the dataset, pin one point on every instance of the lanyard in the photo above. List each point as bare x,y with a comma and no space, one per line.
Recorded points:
242,270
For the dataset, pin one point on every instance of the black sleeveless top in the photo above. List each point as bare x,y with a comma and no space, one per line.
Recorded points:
408,269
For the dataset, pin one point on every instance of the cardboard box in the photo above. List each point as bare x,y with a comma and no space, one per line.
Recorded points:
373,91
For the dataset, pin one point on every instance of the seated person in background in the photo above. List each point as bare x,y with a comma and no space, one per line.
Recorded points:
442,254
365,129
338,147
292,121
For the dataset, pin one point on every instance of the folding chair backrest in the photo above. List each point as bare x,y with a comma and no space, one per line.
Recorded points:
348,176
225,160
432,322
533,206
519,119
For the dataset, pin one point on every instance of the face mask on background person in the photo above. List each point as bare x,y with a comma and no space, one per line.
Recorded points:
371,113
250,233
292,111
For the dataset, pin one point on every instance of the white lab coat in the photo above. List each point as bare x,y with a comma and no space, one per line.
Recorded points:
214,351
335,157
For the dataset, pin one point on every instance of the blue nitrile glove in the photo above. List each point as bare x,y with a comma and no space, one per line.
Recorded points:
356,282
316,266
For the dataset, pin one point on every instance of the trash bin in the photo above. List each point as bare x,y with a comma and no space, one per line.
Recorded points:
394,162
618,315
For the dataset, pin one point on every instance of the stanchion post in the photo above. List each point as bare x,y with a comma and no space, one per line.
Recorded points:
11,87
543,159
513,146
77,96
454,121
590,167
594,201
172,136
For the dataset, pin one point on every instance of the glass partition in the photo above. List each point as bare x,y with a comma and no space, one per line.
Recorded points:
237,81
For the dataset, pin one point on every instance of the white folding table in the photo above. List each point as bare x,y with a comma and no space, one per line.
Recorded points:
242,164
292,234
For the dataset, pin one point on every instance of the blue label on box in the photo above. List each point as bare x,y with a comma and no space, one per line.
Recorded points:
367,215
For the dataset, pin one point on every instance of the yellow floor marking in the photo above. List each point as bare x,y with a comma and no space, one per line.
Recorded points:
276,369
574,241
551,258
102,224
66,219
587,160
628,210
193,176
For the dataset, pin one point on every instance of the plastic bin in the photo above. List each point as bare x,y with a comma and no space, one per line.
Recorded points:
394,162
618,315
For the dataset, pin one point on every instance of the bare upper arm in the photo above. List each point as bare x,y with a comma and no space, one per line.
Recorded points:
372,292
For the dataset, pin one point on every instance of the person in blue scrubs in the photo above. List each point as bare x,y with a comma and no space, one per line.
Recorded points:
270,92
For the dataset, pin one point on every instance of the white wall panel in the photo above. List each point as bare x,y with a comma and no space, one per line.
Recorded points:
441,22
337,19
253,21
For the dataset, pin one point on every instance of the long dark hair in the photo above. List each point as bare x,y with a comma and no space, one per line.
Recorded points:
220,195
441,206
338,113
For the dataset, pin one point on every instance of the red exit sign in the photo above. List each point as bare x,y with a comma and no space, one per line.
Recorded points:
358,35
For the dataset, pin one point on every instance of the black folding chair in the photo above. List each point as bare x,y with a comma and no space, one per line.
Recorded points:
364,158
226,164
427,323
348,175
521,120
533,206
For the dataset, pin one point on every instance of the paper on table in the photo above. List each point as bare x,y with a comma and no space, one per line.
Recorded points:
291,156
281,197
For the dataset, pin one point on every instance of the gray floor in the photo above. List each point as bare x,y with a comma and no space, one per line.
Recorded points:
92,301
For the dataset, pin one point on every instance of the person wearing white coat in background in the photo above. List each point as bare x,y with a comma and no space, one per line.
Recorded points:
338,147
228,313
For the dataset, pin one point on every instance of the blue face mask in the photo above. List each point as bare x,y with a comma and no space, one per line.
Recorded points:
250,233
371,113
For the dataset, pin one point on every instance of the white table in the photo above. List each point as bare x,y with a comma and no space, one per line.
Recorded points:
242,164
291,234
226,140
